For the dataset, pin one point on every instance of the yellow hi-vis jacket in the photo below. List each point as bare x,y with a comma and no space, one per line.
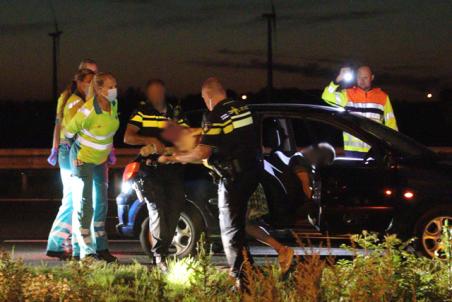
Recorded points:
94,130
72,105
373,104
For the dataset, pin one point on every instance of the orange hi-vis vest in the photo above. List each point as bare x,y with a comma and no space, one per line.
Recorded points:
373,104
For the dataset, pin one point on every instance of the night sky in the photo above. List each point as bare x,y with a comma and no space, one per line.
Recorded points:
408,43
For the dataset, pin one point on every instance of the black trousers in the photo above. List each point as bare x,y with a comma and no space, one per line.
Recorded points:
164,188
232,204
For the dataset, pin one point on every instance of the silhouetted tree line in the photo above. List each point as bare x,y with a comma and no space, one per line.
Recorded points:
30,124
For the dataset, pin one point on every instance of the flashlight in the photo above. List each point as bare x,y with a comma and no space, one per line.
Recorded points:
348,76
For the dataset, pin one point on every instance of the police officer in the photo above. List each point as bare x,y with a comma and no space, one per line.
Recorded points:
229,142
164,185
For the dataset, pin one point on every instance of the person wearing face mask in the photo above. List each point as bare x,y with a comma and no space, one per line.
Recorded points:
163,184
61,228
92,130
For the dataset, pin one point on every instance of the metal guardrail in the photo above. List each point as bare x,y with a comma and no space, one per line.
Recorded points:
37,158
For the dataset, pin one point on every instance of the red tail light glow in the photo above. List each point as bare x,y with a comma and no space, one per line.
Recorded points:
388,192
408,195
130,171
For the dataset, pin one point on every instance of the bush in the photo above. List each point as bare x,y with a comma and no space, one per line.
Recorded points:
385,271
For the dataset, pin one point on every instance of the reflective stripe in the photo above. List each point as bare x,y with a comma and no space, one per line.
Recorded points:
72,104
365,105
98,137
66,226
60,235
155,124
243,122
137,118
99,223
86,111
371,115
100,233
228,129
331,89
94,145
389,116
338,98
157,117
69,134
222,124
213,131
235,117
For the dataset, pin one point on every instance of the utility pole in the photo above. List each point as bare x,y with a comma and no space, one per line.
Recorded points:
271,25
55,54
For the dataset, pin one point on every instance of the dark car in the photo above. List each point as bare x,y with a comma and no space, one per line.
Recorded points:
400,186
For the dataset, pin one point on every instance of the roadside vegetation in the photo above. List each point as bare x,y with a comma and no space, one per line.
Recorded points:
384,272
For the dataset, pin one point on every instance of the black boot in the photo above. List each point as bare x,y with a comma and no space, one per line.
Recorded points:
107,256
60,255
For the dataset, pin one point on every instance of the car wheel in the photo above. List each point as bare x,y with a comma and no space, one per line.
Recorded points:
187,234
429,231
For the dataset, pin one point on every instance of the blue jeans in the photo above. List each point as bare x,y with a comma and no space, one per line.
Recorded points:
61,230
89,193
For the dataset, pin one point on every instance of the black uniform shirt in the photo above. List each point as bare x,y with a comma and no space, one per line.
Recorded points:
230,130
152,122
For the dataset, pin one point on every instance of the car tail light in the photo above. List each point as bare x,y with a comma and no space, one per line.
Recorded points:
130,171
388,192
408,195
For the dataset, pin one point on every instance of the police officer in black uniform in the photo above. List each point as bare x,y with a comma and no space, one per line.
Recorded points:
229,142
163,186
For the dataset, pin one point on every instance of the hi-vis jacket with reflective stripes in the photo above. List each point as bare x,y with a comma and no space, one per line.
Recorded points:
94,130
73,104
373,104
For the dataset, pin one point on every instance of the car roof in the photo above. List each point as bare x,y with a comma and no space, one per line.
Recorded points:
278,107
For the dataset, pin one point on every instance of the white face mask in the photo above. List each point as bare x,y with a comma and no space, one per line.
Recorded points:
112,94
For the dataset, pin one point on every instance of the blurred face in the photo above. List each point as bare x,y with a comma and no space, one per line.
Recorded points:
91,66
109,83
207,98
156,95
83,86
364,78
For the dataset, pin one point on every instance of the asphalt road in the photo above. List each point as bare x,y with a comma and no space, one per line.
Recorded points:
32,252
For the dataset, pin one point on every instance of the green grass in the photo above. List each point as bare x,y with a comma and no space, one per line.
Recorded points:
386,272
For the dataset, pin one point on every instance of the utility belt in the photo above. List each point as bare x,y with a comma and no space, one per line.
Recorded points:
229,170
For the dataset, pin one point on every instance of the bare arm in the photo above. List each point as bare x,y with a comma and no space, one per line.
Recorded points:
196,155
132,137
303,176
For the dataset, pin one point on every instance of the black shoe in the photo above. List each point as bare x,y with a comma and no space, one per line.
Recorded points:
107,256
76,258
92,257
60,255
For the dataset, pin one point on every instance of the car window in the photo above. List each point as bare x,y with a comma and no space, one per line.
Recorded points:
275,136
309,132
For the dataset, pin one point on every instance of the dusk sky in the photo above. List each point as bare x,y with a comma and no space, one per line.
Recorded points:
408,43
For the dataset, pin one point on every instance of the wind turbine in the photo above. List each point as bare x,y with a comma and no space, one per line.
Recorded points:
55,52
271,26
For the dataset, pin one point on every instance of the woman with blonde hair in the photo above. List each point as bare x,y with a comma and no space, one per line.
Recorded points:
92,130
66,109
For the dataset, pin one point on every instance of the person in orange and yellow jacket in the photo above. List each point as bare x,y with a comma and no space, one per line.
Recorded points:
362,99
